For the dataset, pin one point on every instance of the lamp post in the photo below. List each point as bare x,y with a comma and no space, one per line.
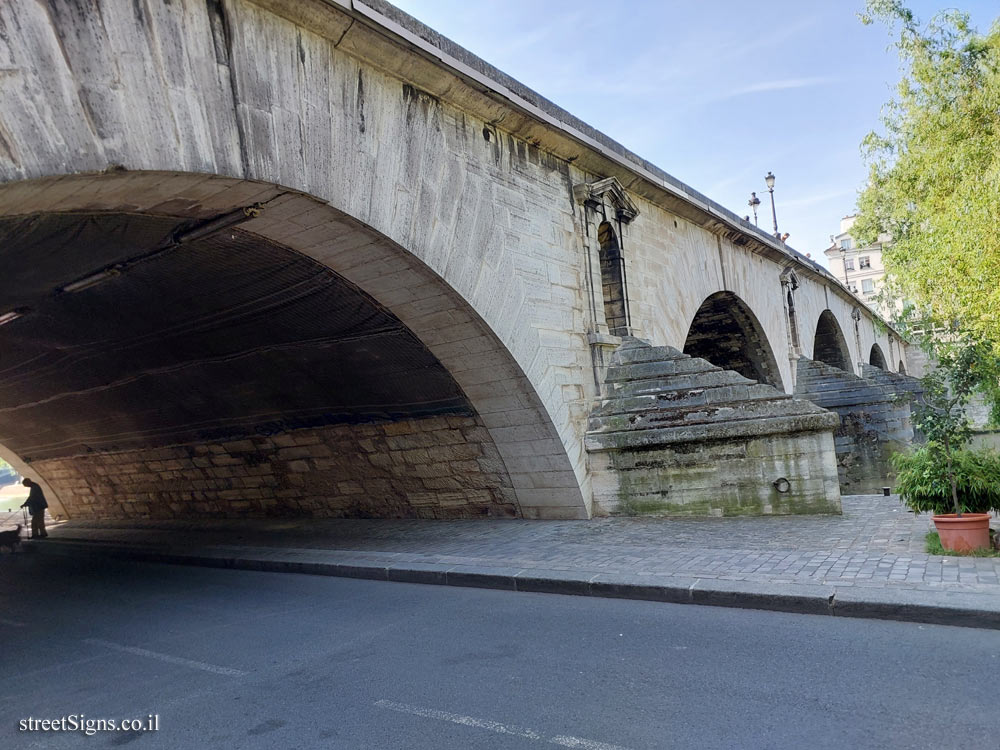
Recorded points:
753,203
769,179
843,259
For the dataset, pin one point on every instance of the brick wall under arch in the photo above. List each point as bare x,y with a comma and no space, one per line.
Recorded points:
829,344
876,358
726,332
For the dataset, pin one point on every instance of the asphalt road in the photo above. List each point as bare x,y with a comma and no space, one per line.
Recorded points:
234,659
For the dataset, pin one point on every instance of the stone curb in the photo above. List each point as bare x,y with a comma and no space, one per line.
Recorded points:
956,608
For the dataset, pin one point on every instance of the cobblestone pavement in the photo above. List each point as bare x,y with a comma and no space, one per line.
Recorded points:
875,543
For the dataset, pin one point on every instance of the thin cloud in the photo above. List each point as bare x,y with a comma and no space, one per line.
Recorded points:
788,83
820,198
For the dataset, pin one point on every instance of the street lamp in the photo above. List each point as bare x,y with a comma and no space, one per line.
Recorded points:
769,179
753,203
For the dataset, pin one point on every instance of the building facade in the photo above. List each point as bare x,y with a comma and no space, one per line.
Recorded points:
860,268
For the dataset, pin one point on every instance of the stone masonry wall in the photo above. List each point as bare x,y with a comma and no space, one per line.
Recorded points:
874,423
441,467
734,477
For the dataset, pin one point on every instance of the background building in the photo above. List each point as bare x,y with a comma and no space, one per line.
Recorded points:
860,268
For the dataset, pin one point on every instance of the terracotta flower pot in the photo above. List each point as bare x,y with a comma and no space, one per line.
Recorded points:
971,531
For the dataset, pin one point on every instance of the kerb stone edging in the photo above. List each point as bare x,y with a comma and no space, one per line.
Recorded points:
939,608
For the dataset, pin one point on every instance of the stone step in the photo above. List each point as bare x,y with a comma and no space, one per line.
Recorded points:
846,396
716,379
708,414
644,439
686,397
634,353
658,369
650,393
823,370
896,381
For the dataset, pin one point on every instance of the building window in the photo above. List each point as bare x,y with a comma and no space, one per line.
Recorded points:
848,264
865,262
867,286
845,244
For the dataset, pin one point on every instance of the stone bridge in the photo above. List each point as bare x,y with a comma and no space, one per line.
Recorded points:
307,257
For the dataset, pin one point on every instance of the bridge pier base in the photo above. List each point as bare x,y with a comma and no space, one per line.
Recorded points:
875,419
677,436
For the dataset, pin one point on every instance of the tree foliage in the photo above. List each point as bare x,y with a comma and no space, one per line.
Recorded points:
934,173
940,476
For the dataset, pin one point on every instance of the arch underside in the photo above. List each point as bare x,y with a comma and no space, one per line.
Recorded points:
243,372
727,333
221,336
829,344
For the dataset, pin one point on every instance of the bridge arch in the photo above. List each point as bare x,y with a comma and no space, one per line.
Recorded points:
726,332
308,365
877,359
829,343
285,97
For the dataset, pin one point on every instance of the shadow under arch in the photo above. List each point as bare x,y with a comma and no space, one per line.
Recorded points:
877,359
726,332
902,368
418,339
829,344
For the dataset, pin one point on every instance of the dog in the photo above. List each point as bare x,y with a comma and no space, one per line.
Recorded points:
11,538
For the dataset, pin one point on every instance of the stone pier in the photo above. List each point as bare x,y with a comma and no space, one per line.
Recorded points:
875,419
676,435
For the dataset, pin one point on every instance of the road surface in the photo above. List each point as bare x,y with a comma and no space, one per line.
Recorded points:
266,660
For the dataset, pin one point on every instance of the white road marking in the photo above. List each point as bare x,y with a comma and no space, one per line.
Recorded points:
469,721
583,744
495,726
166,657
12,623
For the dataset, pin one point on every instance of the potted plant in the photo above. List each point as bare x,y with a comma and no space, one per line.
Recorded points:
959,486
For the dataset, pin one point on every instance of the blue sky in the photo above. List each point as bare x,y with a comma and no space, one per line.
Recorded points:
715,92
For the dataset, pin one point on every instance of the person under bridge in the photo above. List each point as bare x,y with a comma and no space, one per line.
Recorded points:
36,505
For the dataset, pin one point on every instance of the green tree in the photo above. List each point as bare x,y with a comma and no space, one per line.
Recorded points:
942,475
934,173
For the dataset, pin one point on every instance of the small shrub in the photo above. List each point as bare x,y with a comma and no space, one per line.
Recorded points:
924,486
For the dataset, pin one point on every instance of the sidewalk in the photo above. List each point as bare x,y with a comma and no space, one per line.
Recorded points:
867,563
